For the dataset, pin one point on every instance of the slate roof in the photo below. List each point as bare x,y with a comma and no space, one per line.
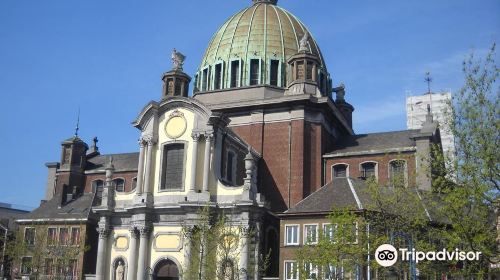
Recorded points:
121,162
374,142
76,209
353,194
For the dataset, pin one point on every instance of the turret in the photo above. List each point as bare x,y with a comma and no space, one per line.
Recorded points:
175,81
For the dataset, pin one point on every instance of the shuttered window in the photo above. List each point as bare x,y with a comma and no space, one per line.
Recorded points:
173,167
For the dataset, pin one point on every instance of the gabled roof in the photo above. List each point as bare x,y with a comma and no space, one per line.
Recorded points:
384,142
121,162
76,210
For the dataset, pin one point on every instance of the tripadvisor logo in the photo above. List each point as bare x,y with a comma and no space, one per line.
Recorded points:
387,255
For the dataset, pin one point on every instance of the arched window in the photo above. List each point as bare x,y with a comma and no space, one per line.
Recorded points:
97,186
369,170
119,184
397,173
340,171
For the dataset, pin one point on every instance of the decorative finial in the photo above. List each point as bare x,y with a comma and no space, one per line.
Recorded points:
178,60
95,140
428,79
77,123
304,43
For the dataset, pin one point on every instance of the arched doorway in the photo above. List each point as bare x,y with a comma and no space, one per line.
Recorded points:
166,270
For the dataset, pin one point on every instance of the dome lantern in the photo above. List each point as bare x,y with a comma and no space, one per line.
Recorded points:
274,2
175,81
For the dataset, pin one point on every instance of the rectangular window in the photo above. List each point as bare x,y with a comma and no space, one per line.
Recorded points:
254,72
218,76
330,272
26,265
329,231
178,87
291,271
29,236
311,271
310,234
51,236
352,233
63,236
204,80
230,167
292,235
274,72
72,268
173,167
235,73
75,236
49,267
397,170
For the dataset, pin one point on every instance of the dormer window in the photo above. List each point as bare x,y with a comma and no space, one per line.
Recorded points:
204,79
340,171
119,185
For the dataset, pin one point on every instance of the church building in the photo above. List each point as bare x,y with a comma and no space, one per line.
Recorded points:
263,128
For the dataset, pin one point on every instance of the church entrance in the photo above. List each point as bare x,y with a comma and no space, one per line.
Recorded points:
166,270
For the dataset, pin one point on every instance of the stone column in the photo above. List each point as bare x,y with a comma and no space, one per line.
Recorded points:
244,253
132,260
101,253
149,159
194,160
257,250
140,168
187,246
143,253
206,163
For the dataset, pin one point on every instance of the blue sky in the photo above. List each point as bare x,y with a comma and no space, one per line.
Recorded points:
106,57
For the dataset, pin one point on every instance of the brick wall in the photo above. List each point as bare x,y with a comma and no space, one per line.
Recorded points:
382,163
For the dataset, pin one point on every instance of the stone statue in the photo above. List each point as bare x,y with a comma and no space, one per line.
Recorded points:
304,43
178,60
120,271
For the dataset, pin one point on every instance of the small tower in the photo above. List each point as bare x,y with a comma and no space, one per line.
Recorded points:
303,77
343,106
175,81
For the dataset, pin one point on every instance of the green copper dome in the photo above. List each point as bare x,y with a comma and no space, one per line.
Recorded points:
262,36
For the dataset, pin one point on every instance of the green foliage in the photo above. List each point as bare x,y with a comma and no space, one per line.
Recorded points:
461,211
215,243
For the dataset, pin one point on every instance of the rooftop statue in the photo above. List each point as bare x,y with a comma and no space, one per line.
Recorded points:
178,60
304,43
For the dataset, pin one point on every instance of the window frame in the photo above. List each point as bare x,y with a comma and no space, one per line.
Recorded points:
405,171
309,267
279,82
305,241
249,71
68,237
30,268
205,79
295,266
285,241
334,228
362,171
116,184
240,71
234,166
71,243
221,82
94,182
181,188
33,243
339,164
56,237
